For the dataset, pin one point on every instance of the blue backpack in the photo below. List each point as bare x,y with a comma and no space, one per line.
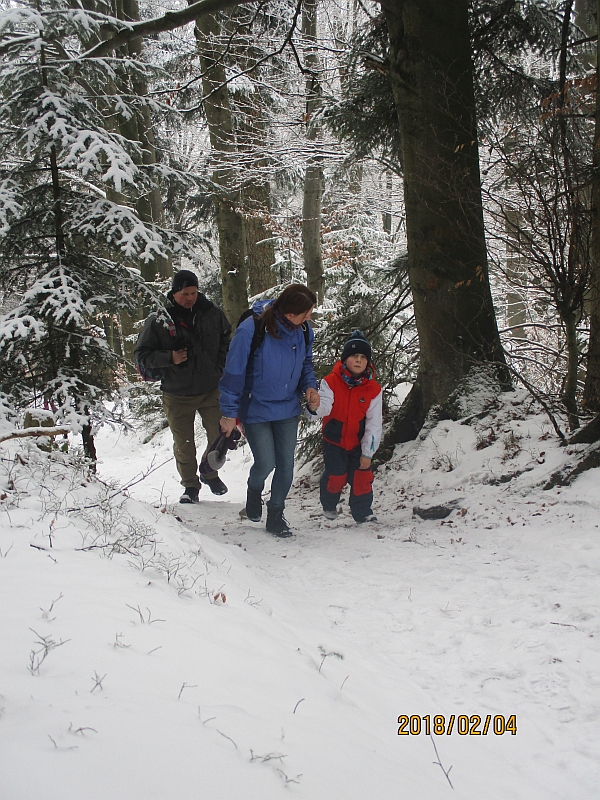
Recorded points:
259,331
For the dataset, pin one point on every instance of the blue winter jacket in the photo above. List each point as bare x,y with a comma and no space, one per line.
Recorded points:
267,386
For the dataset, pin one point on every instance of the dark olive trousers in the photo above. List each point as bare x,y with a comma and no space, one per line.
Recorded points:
181,416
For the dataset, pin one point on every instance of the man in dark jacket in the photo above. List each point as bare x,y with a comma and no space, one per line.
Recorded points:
188,340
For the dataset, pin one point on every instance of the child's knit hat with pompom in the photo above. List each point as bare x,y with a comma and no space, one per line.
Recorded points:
357,343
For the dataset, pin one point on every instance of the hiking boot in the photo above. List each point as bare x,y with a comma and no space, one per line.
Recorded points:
330,514
277,524
190,495
215,484
254,505
368,518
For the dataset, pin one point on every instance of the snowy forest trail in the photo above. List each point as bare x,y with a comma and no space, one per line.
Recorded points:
190,653
484,617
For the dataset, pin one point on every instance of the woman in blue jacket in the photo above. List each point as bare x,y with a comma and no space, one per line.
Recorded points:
262,388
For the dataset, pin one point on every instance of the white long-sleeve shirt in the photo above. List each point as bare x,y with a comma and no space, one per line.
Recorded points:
373,419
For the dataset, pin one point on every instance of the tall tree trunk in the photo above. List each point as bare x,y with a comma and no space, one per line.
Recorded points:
137,129
570,383
252,127
149,207
260,243
387,214
230,223
89,445
256,197
313,178
569,314
591,394
432,79
516,308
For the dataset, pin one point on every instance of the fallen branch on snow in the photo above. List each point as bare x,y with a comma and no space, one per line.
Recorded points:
22,432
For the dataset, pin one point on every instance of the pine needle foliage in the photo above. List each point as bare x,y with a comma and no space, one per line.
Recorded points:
508,37
71,240
365,117
514,44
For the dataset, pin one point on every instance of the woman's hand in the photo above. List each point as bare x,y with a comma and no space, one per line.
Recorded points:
227,424
313,399
365,463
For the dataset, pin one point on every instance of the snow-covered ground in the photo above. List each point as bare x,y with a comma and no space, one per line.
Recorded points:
154,650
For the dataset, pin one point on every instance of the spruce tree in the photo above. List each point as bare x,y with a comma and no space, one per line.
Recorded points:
72,242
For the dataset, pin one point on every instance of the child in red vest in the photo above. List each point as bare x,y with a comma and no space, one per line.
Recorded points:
349,403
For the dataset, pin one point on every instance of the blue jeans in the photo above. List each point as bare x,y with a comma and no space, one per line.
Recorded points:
273,445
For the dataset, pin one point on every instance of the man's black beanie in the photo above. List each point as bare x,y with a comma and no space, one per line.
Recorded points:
357,343
183,279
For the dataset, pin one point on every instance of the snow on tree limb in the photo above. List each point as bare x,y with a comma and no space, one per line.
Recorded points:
20,434
168,22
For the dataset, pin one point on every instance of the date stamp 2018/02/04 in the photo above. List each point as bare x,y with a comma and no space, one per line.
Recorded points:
462,724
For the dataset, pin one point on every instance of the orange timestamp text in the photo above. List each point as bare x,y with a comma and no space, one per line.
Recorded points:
463,724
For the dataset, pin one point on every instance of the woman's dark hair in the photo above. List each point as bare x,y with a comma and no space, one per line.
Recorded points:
295,299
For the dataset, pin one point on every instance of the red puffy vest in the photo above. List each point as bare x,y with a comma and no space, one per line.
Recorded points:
345,425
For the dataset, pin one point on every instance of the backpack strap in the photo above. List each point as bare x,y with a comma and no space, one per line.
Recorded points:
258,336
306,333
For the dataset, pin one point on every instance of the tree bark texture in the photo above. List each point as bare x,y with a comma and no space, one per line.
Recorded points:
227,199
313,177
387,214
311,229
570,382
260,243
516,271
432,79
256,196
591,394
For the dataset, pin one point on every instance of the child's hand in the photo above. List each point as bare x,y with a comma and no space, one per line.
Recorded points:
365,462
